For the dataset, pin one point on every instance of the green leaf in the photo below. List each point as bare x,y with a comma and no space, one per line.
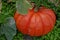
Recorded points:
9,28
23,6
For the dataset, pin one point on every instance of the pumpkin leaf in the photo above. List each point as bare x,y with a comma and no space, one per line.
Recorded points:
9,28
23,6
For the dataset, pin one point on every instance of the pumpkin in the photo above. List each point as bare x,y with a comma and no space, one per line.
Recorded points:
36,23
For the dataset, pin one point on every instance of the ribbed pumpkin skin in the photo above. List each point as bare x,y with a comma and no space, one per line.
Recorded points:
35,23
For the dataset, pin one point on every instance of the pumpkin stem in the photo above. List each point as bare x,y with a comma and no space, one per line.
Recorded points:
35,7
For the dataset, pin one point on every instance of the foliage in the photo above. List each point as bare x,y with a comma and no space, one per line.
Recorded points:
7,23
8,28
8,10
23,6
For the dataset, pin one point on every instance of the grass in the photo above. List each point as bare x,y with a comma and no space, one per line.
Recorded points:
53,35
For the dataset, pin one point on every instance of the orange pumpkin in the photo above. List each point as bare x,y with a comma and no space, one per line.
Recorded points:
35,23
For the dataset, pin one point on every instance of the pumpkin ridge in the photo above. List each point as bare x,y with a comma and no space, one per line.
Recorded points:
39,21
18,20
42,23
51,17
50,22
35,22
29,23
51,14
